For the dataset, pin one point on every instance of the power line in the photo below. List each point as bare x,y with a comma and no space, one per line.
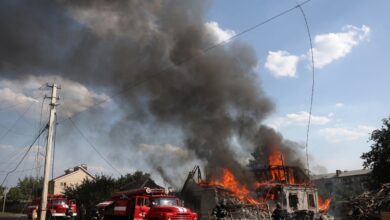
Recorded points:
13,125
312,88
20,171
141,81
256,26
39,140
93,147
24,156
205,50
21,103
54,145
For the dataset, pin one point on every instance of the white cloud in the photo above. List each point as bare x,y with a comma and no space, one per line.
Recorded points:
74,97
339,134
78,98
10,98
216,33
327,48
5,147
281,64
333,46
339,105
300,118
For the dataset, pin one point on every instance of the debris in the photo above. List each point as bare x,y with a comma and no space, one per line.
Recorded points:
369,205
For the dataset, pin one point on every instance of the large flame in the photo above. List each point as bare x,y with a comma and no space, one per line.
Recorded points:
275,157
324,205
229,182
279,173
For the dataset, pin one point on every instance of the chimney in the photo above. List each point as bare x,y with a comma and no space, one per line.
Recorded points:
338,172
84,166
67,171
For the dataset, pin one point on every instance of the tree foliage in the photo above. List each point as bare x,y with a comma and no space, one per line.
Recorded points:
378,158
2,189
26,188
91,192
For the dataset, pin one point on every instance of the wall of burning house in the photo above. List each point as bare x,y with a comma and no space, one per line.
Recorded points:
296,197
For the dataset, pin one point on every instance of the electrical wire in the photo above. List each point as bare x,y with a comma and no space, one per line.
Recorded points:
205,50
93,147
312,88
15,122
141,81
24,156
54,145
39,140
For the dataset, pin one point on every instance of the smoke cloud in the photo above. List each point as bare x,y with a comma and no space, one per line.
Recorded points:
151,54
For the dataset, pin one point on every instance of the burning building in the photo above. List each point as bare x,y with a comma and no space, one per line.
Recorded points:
287,189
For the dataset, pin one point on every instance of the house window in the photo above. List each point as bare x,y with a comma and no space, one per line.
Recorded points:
310,199
62,184
293,201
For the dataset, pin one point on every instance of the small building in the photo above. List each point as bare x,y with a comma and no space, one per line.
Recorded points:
72,177
346,183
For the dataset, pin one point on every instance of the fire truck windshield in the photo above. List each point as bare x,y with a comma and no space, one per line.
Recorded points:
164,201
58,202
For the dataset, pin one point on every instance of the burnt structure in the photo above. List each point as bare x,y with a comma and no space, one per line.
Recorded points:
287,189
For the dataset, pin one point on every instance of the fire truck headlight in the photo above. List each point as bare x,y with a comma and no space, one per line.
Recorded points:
195,218
169,218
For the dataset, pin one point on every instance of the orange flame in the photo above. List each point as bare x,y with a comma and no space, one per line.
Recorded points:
229,182
275,157
324,205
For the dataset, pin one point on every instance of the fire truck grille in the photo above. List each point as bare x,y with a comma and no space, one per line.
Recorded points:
182,216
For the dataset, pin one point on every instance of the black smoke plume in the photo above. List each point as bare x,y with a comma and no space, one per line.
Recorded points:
154,51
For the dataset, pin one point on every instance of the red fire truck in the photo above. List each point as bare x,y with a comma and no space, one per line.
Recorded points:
145,204
58,206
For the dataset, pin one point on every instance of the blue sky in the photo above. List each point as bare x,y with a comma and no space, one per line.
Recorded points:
351,84
350,91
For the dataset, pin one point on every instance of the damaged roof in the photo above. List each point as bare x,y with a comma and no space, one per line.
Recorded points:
342,174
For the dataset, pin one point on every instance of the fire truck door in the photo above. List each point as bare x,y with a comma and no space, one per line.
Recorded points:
141,208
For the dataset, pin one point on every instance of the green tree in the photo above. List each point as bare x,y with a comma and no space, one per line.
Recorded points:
2,191
26,188
130,181
91,192
378,158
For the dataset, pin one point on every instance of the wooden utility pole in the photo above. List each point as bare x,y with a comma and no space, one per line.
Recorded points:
48,156
5,198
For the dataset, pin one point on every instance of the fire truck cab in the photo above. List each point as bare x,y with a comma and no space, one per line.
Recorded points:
58,206
145,204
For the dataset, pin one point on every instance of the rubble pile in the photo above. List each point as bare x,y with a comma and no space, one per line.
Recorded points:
369,205
240,211
229,206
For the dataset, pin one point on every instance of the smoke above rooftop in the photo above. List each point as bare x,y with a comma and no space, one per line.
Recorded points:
152,54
